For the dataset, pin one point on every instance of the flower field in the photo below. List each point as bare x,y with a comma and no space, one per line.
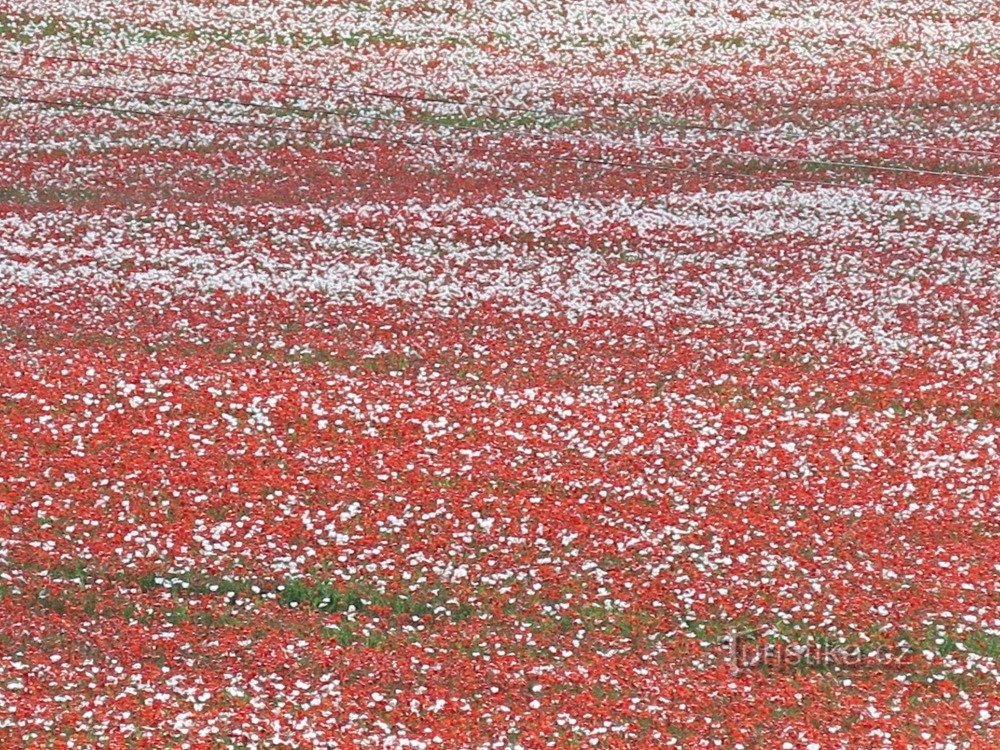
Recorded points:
513,375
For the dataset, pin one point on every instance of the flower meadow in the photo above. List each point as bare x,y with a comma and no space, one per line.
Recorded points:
524,374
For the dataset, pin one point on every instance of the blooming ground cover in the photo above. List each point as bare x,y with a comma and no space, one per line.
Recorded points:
499,375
